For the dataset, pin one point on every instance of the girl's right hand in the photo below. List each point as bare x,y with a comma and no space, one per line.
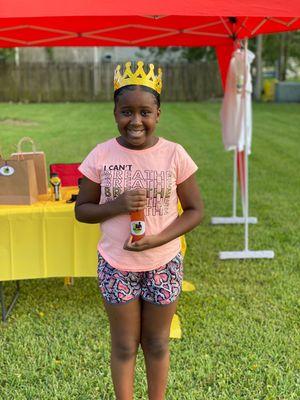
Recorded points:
132,200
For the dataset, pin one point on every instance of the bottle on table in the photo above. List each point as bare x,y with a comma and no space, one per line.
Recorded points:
137,225
56,185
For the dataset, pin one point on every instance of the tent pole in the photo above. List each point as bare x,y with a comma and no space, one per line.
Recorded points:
234,183
246,149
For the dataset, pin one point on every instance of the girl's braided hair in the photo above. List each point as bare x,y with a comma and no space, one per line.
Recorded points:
120,91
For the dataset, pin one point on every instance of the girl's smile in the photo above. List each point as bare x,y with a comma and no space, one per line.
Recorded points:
136,113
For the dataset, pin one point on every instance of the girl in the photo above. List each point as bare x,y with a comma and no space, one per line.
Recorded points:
140,281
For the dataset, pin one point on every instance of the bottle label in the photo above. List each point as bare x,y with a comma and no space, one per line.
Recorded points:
137,228
56,192
7,170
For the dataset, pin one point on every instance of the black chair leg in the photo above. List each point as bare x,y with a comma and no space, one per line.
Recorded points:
6,312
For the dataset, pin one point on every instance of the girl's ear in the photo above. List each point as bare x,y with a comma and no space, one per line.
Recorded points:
158,115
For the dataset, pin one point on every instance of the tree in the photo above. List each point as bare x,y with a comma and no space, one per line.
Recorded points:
258,67
169,54
280,50
199,53
7,55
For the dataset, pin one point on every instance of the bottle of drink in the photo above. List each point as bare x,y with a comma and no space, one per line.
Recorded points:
137,226
55,183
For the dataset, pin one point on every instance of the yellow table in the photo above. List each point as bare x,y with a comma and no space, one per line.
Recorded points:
44,240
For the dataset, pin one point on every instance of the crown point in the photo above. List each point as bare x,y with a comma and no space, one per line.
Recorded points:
139,77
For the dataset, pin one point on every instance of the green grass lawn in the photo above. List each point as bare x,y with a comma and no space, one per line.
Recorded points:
241,337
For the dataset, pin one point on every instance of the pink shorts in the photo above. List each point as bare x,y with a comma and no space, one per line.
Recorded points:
160,286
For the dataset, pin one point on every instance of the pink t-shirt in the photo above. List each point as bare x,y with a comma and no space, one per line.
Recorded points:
158,169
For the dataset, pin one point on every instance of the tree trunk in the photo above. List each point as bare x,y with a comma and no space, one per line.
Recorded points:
285,54
258,63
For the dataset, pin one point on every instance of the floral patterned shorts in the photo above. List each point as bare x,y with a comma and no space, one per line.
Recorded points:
160,286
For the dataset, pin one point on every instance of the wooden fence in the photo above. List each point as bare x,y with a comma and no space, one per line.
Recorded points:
88,82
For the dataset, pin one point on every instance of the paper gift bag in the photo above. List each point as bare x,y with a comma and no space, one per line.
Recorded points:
18,184
39,162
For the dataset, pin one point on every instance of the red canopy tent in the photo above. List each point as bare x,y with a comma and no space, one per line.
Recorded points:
217,23
144,23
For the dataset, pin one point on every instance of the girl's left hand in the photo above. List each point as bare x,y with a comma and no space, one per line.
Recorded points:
147,242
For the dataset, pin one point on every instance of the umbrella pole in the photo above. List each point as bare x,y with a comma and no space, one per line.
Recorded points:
234,183
246,253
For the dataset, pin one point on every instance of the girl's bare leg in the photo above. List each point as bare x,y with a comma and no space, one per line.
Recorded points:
155,332
125,326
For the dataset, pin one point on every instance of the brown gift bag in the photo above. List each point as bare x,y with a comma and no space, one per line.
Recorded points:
18,183
39,163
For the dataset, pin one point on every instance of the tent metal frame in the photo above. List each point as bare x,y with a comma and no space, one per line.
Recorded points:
6,311
199,30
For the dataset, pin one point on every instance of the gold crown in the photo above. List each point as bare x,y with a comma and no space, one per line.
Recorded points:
139,77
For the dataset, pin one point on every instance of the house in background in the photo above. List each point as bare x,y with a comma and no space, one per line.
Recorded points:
92,55
77,54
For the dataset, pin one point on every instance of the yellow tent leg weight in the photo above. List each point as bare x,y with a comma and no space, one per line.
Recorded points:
188,286
69,281
175,331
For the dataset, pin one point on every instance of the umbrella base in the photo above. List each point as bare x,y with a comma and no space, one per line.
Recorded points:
231,255
232,220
